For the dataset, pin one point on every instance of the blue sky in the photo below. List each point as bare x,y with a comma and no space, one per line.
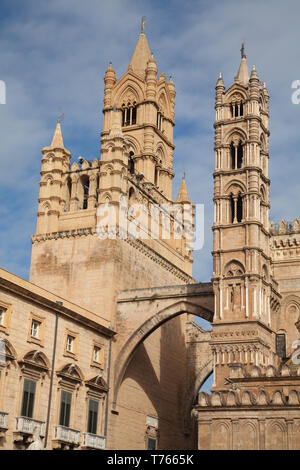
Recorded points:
53,56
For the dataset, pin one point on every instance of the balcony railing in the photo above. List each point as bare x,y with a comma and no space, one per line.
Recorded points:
3,420
67,435
92,441
27,425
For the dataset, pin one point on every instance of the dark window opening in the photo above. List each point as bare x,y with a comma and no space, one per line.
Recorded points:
65,408
134,115
28,398
92,417
232,208
232,152
86,190
239,208
156,176
151,443
129,114
240,155
131,163
281,345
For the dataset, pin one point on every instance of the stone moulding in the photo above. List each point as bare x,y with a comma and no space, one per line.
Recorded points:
248,398
136,243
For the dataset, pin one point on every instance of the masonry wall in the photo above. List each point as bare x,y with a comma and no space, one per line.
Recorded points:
13,372
91,272
155,385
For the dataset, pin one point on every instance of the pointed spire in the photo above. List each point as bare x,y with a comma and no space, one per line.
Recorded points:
220,82
57,141
254,73
183,194
242,76
141,54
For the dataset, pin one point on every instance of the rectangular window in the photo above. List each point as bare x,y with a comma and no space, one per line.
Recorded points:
92,417
70,344
2,315
151,443
28,398
96,354
35,327
65,408
281,345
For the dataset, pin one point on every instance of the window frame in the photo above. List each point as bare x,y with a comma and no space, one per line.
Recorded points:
40,338
67,412
7,308
74,353
28,415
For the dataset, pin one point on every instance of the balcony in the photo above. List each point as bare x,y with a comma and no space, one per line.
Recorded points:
66,437
3,423
25,428
92,441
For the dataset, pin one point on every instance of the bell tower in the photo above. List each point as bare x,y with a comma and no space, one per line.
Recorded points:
146,106
71,254
245,292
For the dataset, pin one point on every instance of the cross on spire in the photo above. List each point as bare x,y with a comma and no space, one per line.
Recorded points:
243,50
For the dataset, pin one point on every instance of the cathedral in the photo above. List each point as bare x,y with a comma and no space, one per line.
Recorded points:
100,349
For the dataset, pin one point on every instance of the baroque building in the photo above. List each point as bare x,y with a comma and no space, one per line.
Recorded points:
101,349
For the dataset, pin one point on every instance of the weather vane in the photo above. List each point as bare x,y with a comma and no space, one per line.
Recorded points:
143,24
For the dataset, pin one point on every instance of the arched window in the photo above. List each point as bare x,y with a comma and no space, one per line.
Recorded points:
232,153
131,163
237,155
129,114
239,208
159,121
237,109
156,173
231,208
236,208
240,155
86,190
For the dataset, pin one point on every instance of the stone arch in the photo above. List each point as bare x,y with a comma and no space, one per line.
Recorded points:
221,435
134,144
235,187
163,104
235,93
129,89
276,436
71,371
202,376
235,135
35,359
263,145
233,268
249,435
9,351
149,326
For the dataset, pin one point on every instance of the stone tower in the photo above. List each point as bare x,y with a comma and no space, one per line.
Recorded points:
68,256
245,293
